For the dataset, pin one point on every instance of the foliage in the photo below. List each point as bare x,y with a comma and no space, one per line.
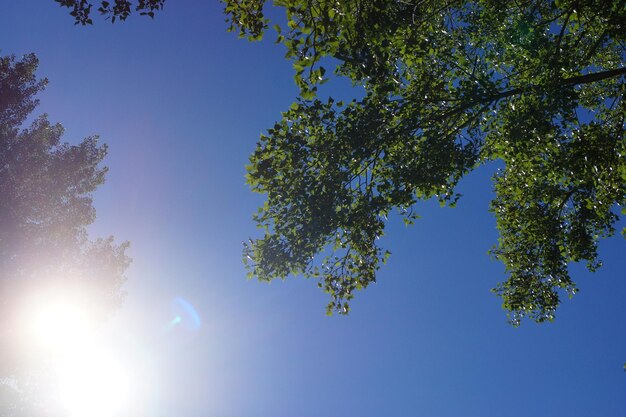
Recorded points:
113,10
449,85
537,85
46,205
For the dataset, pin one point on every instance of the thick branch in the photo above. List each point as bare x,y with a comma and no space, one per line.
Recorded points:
579,79
594,76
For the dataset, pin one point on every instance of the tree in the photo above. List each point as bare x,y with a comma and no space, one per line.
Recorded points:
449,86
46,204
537,85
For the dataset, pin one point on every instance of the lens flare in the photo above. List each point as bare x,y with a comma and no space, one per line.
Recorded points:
185,314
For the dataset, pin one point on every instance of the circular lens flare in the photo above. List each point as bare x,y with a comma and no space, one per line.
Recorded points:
185,314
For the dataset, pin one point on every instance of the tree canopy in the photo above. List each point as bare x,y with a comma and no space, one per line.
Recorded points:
46,205
449,86
536,85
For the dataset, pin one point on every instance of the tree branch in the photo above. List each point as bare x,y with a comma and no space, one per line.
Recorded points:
579,79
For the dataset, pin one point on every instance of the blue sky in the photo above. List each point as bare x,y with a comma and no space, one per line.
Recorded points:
181,104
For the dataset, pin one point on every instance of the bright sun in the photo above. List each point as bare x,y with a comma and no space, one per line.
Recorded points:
87,380
55,326
91,383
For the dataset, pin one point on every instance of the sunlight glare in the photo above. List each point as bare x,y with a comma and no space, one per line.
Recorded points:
59,331
92,383
57,326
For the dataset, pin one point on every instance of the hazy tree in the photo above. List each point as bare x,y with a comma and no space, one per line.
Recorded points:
45,206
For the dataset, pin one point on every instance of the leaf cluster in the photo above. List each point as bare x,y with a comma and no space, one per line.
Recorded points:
113,10
537,85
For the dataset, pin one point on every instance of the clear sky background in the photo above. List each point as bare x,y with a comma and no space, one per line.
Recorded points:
181,104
